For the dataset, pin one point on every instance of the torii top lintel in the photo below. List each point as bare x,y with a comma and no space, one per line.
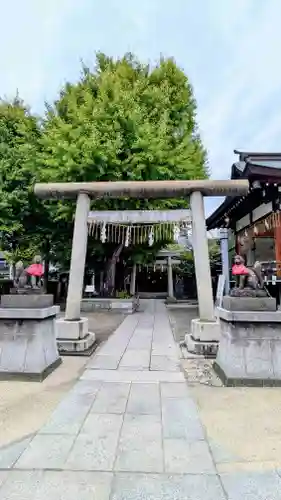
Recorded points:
142,189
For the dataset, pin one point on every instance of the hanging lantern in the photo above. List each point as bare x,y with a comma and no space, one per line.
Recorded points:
266,224
256,230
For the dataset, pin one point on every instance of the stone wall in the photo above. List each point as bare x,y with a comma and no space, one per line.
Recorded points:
127,306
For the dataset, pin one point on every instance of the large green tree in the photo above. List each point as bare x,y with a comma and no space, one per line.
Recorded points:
26,227
123,120
19,141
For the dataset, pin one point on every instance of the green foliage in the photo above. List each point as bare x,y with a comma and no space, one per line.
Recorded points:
20,253
187,266
19,134
144,254
122,294
27,225
122,121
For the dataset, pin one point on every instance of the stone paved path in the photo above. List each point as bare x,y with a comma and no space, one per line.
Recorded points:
128,430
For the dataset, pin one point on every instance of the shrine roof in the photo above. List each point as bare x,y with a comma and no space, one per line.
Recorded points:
262,167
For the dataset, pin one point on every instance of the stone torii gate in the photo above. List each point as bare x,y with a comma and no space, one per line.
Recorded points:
205,328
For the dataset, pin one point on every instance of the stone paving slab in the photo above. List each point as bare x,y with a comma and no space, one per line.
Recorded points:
184,457
46,451
104,361
166,487
67,418
138,359
3,476
11,453
57,485
112,398
167,363
180,420
95,447
86,387
144,399
117,343
70,414
140,446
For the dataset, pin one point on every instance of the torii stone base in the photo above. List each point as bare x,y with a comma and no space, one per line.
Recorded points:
74,338
204,337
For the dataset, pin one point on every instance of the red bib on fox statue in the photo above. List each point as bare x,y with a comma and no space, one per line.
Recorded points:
240,269
35,270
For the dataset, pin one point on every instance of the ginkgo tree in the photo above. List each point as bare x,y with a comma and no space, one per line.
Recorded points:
123,120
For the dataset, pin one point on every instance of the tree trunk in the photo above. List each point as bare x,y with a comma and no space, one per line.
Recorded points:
101,282
111,269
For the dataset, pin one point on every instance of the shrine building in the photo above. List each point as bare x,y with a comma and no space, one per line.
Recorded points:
252,222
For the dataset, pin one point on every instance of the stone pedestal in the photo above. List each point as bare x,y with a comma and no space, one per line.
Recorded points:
73,337
30,301
249,303
204,337
250,348
28,349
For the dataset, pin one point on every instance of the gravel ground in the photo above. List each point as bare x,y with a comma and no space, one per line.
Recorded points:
103,324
